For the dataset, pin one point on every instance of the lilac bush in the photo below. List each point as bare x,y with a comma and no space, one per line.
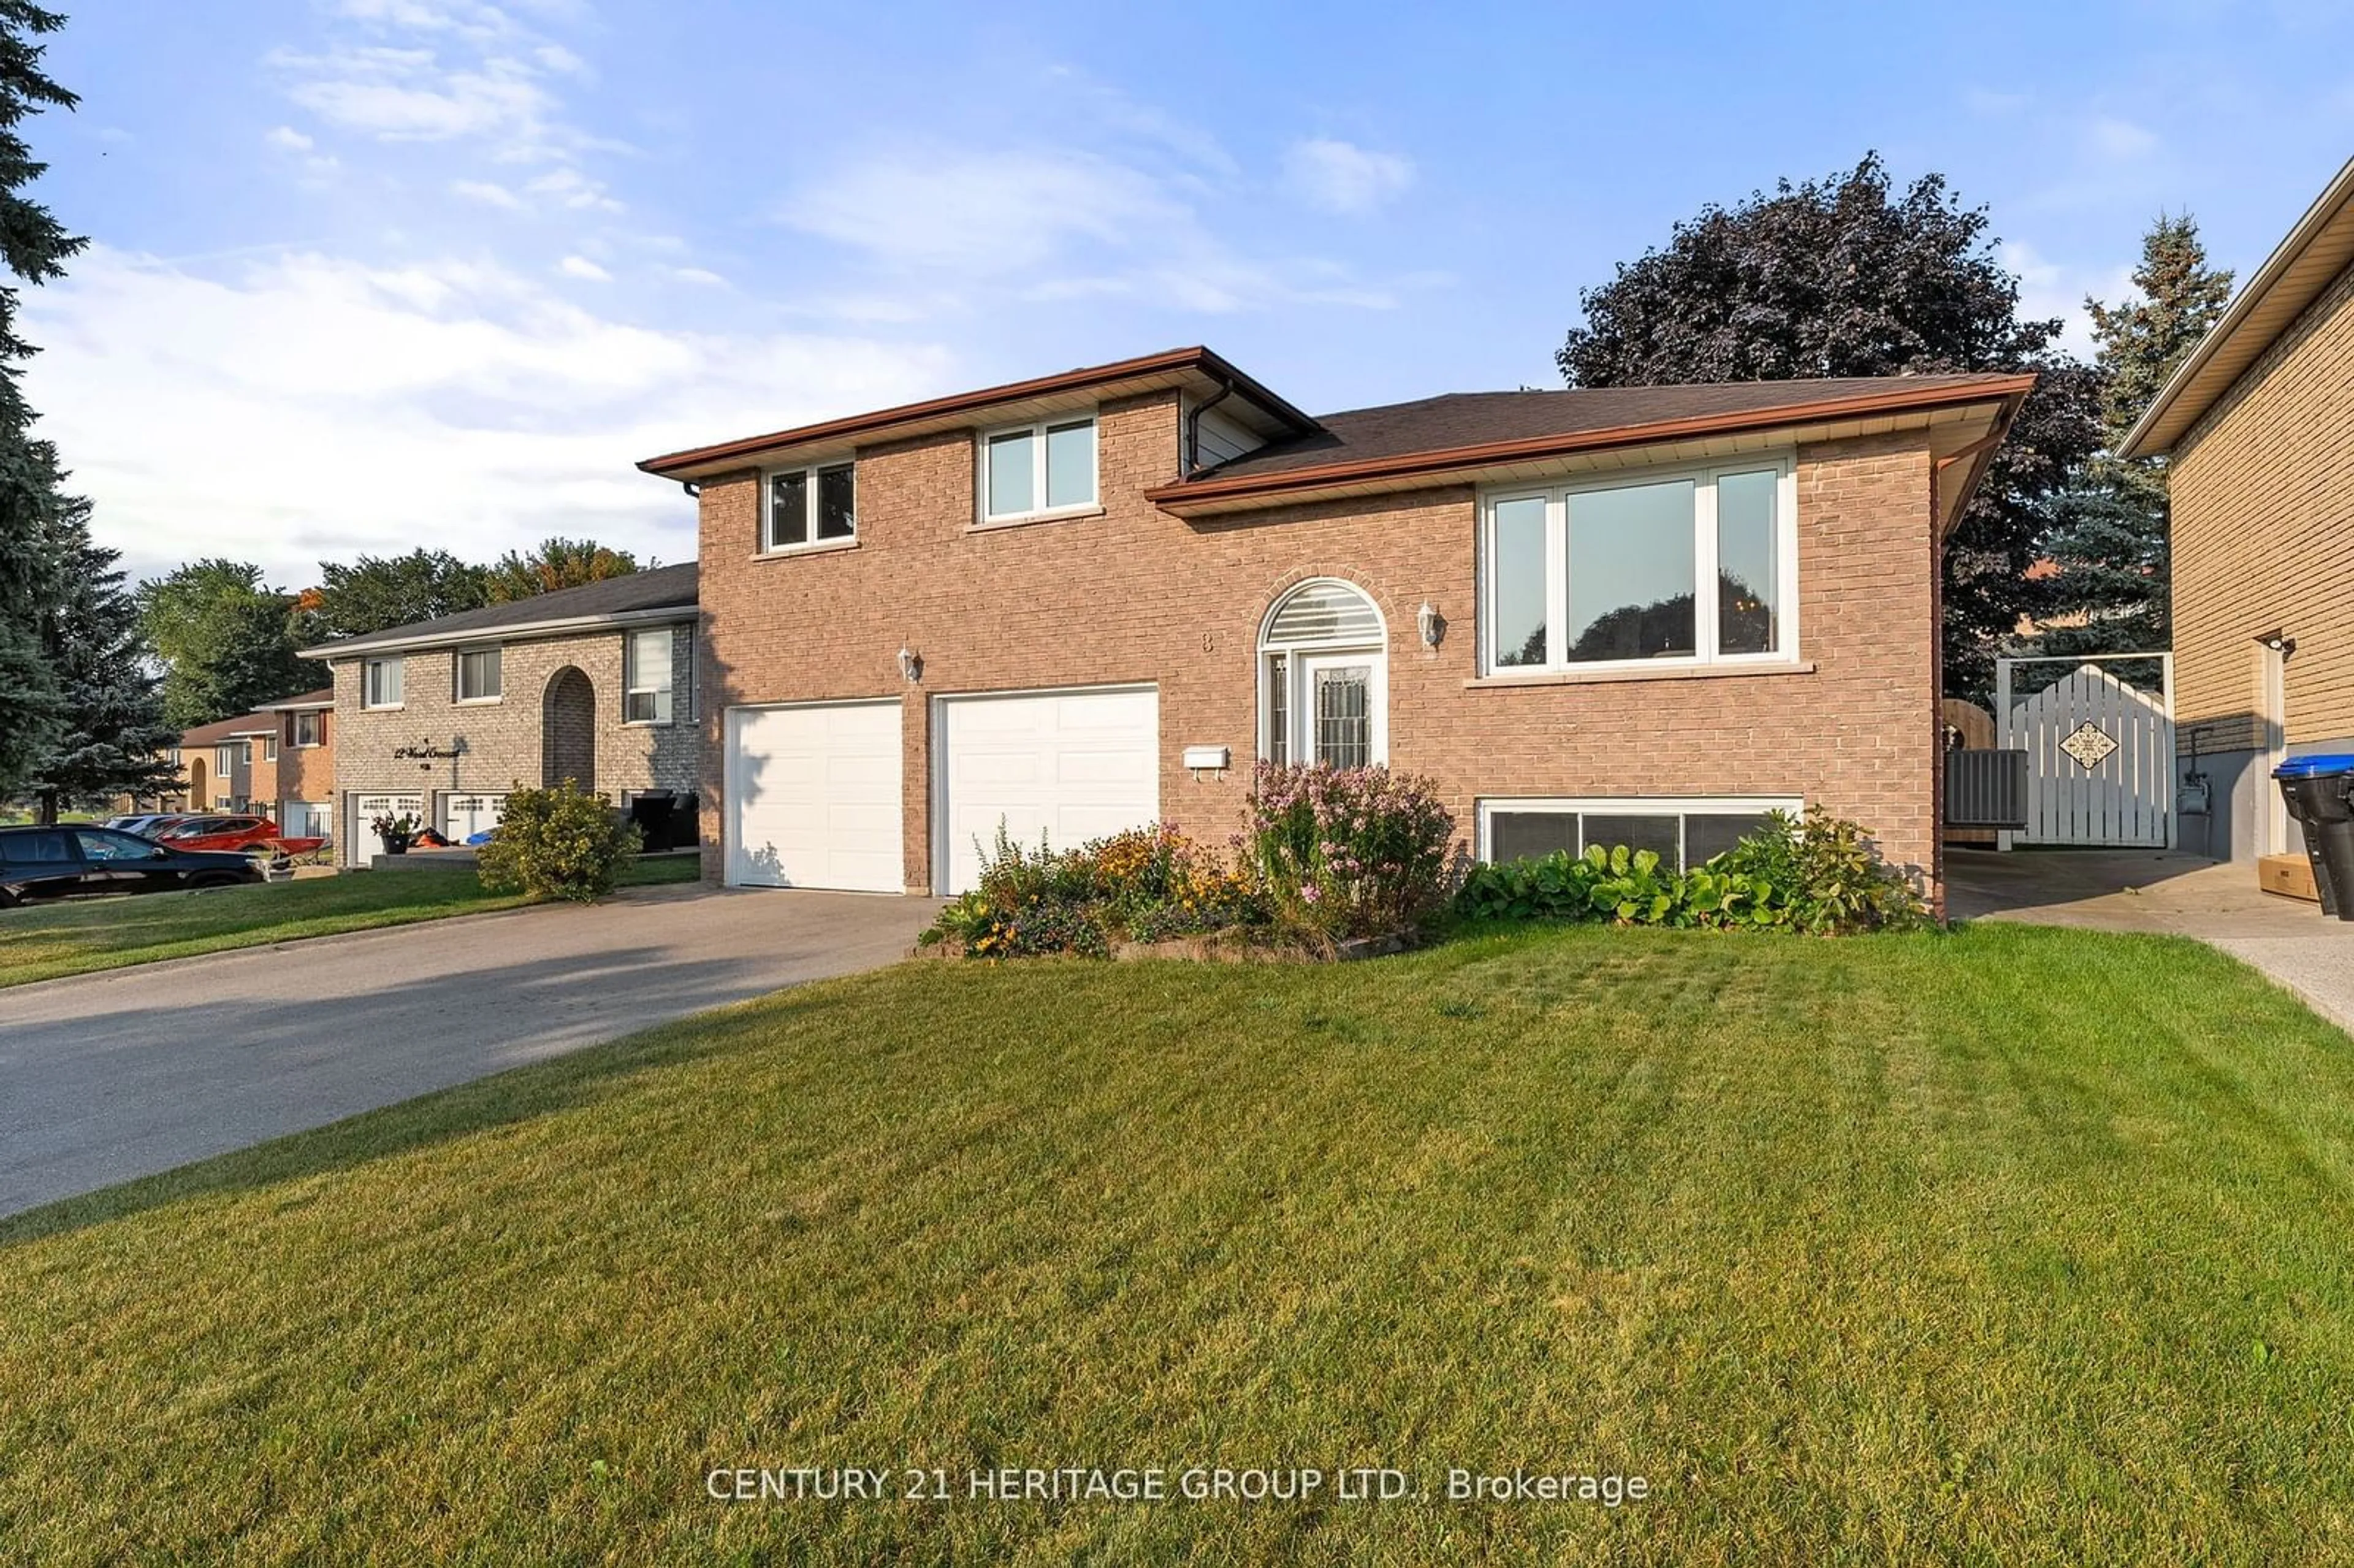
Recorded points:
1349,852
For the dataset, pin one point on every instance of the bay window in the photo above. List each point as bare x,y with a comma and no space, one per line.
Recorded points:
1692,566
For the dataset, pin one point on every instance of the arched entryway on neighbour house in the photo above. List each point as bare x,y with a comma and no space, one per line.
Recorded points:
567,730
1323,677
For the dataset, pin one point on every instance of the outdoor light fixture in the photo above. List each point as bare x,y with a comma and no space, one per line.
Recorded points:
1432,624
911,663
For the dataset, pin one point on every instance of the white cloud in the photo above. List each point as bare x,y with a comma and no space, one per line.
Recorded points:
488,193
287,139
701,277
1342,177
2049,289
1053,224
570,188
311,406
408,95
2114,138
581,267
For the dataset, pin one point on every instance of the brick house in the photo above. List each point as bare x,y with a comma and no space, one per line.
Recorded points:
298,749
441,719
2257,426
1077,603
216,766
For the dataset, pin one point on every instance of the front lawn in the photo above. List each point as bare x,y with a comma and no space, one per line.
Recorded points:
2013,1245
107,933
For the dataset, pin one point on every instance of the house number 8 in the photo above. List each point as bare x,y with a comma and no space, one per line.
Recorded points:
1209,642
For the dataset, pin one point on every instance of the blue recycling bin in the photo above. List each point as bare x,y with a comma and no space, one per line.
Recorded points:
2314,788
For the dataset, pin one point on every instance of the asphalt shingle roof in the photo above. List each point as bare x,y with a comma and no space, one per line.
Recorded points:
658,588
1476,419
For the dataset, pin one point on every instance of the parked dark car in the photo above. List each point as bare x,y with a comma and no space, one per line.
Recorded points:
37,864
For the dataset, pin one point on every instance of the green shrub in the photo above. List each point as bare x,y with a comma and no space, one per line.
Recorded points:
1818,875
1349,852
556,843
1146,883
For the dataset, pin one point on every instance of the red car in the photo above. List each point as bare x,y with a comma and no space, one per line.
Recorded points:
248,834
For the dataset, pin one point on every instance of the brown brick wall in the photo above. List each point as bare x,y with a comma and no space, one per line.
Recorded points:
503,739
1136,595
306,772
2263,538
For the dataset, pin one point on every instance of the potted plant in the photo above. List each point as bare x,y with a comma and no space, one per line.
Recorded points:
395,831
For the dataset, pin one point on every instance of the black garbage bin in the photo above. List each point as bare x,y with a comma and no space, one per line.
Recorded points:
2314,788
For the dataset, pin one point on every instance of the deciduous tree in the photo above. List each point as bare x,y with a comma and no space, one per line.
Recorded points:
556,564
377,591
229,641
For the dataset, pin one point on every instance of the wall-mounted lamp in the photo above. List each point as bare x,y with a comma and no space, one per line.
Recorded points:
1430,623
2279,643
911,663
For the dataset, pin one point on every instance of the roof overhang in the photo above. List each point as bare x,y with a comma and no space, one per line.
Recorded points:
1967,419
299,707
521,632
2295,274
266,729
1197,370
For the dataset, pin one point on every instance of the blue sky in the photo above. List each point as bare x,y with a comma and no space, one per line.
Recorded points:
372,273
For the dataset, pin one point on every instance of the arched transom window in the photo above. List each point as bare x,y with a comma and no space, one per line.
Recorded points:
1324,678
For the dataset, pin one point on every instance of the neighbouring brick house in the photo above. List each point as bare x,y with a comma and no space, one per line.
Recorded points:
440,720
2258,428
216,766
299,750
1089,600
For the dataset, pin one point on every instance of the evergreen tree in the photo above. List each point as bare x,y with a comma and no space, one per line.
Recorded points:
34,246
113,734
1846,276
227,639
2111,544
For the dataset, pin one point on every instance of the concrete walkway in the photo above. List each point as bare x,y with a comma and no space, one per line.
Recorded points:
108,1076
2178,895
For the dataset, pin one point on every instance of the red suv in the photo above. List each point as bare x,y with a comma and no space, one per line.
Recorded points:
247,833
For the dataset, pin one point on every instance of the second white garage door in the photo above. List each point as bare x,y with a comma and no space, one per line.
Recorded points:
814,796
1074,764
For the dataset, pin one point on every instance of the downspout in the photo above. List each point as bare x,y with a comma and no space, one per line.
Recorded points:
1193,464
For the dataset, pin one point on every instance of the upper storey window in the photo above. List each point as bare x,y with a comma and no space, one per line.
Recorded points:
1037,470
808,506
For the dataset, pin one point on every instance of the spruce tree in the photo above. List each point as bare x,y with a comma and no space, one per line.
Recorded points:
34,246
2111,541
112,736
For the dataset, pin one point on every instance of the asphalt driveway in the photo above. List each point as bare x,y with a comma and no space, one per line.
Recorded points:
108,1076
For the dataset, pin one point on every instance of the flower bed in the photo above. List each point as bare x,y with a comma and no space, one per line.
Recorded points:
1331,862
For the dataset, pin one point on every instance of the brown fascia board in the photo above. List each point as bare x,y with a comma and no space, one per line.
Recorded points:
1196,358
2013,389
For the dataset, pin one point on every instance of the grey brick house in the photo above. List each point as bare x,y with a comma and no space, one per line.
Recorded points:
441,719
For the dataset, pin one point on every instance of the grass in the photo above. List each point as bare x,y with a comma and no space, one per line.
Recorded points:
2012,1245
74,939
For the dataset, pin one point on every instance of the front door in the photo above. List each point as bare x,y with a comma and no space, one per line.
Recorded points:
1339,710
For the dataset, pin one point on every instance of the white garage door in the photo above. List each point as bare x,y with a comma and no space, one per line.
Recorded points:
366,808
1072,765
814,796
463,815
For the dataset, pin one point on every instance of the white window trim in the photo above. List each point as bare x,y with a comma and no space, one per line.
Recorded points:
809,504
367,706
630,674
318,722
269,748
457,676
1705,628
1036,430
1680,806
1377,696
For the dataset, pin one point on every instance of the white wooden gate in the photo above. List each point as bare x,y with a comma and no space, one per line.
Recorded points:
2100,754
